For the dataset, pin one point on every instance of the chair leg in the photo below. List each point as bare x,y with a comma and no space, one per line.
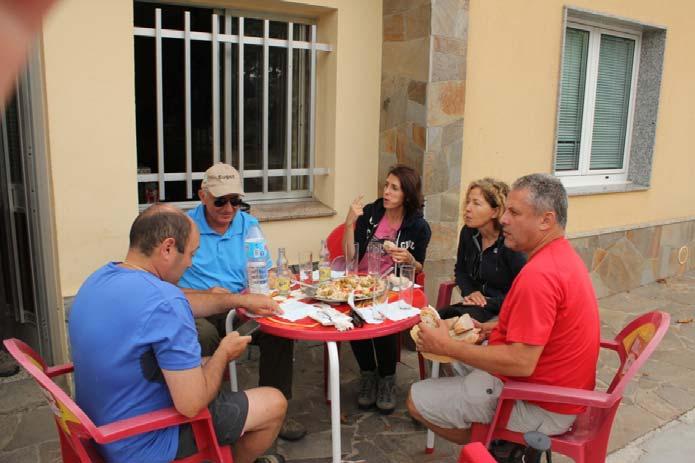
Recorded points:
430,434
421,364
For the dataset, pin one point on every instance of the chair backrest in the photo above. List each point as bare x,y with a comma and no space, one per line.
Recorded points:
334,242
74,425
636,342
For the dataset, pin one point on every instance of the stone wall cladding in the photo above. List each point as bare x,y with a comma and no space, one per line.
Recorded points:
621,261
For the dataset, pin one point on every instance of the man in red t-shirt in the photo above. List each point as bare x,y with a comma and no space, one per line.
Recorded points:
547,333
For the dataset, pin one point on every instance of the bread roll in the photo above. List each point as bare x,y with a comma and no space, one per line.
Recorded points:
389,245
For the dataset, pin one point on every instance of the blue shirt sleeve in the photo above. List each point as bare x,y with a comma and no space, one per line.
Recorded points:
173,336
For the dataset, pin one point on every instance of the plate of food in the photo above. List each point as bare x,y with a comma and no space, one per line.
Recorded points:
338,289
462,329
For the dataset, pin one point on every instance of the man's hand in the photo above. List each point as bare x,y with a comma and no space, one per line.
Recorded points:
475,298
260,305
233,345
485,329
434,340
356,210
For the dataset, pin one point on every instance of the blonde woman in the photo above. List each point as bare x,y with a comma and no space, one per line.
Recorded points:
485,267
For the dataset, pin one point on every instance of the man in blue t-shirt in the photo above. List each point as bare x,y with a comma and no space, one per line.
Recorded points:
220,266
135,349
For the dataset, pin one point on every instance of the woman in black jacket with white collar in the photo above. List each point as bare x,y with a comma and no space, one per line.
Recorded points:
485,267
397,217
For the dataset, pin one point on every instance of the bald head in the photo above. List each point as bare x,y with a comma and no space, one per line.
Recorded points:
157,223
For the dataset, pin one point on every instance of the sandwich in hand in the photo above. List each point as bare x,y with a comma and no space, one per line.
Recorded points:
461,329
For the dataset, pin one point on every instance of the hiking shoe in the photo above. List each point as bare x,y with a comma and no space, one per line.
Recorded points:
292,430
270,458
366,398
386,394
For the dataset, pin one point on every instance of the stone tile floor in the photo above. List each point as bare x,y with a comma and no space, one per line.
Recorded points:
664,391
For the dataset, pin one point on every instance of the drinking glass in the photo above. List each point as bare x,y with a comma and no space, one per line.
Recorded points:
405,286
306,267
374,253
352,264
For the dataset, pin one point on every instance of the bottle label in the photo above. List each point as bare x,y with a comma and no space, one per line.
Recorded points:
283,285
324,273
255,250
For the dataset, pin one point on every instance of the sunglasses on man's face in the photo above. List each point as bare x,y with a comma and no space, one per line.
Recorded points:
233,200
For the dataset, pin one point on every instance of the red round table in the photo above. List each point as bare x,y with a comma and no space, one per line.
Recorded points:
308,329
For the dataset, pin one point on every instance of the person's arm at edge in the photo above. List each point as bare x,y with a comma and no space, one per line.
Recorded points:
206,303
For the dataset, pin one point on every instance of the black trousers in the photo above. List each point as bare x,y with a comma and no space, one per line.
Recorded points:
476,312
378,353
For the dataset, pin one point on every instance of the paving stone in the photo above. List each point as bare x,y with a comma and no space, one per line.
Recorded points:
22,455
631,422
32,424
49,452
19,395
8,427
682,400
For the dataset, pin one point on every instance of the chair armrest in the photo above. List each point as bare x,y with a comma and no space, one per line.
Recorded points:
152,421
555,394
59,370
610,344
444,294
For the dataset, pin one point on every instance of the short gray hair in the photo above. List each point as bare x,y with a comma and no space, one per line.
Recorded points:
546,194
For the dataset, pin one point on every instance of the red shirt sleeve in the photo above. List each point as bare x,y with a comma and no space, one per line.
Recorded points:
532,307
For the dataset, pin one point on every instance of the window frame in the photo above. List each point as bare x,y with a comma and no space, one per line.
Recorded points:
225,38
583,176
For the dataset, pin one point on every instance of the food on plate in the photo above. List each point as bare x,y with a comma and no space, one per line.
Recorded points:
340,288
389,246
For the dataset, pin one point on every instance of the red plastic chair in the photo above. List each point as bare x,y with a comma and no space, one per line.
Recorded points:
334,242
587,441
77,432
475,452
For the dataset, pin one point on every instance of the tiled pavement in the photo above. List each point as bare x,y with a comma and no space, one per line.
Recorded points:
665,390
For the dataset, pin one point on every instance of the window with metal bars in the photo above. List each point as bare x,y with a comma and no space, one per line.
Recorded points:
222,85
599,73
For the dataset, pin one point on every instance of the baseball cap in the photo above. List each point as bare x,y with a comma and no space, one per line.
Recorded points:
222,180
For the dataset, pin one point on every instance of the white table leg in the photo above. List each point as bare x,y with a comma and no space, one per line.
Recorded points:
430,434
334,396
229,327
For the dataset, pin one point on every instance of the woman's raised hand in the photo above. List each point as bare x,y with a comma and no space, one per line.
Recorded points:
356,210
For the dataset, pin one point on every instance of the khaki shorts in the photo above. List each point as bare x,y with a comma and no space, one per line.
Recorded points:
456,402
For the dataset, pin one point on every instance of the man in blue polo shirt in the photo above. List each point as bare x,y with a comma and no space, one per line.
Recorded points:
135,350
220,265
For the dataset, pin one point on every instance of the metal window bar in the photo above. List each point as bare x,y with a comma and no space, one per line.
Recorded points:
240,97
158,33
160,108
215,90
312,106
187,73
288,108
266,34
228,91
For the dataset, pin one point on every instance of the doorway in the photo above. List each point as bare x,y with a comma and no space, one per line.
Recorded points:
30,306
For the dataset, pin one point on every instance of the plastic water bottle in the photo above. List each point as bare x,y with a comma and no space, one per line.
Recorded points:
324,263
283,272
256,260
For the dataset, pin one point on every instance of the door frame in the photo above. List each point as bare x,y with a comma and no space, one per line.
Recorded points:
50,310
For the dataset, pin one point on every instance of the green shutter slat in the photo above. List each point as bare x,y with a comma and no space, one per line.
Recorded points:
612,102
572,99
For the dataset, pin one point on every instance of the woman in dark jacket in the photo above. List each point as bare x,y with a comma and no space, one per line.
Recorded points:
397,217
485,267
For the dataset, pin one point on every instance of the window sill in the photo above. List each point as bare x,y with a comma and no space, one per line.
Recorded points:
291,210
605,189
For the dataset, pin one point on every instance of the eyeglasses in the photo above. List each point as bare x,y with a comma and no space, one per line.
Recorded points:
233,200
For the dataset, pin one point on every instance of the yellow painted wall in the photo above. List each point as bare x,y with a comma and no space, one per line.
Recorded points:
513,74
88,53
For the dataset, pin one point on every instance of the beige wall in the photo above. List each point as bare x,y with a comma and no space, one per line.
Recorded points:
511,104
88,53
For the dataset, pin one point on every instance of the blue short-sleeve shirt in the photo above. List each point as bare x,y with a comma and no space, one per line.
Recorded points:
220,260
125,326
